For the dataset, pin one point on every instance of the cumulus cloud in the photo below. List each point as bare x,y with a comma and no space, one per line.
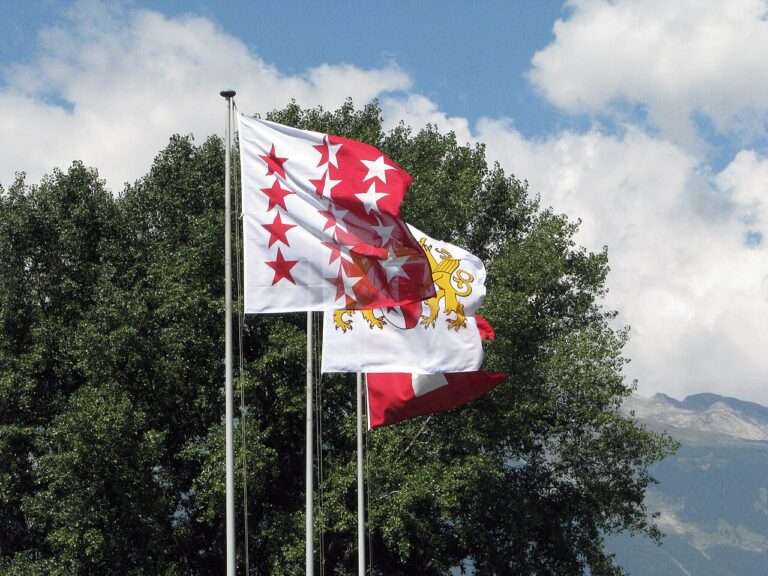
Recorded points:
109,87
694,291
417,111
746,181
674,60
700,535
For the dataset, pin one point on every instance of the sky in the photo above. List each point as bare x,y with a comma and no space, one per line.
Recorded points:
645,119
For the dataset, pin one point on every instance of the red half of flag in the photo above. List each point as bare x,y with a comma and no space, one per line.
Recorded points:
395,397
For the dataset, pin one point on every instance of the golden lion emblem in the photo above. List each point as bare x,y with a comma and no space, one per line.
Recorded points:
451,283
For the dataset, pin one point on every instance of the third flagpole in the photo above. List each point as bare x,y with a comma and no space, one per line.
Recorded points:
310,565
360,493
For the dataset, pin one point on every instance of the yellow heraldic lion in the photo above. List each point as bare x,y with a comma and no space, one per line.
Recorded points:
451,283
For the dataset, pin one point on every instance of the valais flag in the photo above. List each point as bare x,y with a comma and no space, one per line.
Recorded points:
321,224
395,397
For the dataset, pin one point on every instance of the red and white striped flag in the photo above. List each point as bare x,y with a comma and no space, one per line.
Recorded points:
321,224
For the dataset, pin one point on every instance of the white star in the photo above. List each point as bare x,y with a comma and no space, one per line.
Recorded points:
383,232
349,284
370,199
334,218
377,169
333,149
393,266
345,253
329,184
338,215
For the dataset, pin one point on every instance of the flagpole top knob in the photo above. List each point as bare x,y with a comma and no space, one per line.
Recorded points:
227,93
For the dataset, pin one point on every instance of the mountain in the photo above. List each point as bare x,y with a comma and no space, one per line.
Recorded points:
712,496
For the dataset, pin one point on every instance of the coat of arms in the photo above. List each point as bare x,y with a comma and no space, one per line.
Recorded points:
452,283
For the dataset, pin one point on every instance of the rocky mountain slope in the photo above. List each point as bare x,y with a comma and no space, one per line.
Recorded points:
712,496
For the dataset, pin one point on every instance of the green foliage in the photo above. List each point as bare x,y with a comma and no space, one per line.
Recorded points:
111,377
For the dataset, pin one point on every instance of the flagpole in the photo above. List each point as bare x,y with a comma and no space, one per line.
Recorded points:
360,493
309,546
230,456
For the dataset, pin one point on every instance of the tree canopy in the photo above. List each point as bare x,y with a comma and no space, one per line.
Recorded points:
111,386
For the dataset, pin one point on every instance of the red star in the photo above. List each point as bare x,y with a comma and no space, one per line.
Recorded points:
335,249
330,221
278,231
276,195
334,216
358,286
338,281
346,282
282,268
319,185
274,162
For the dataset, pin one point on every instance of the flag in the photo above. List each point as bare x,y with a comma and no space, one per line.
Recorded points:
439,334
484,328
393,398
321,223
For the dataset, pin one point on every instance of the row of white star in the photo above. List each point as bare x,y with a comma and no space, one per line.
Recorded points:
376,168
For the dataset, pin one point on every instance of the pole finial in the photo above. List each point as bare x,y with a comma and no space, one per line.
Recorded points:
227,93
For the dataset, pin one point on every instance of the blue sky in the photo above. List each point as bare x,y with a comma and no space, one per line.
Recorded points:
646,119
472,59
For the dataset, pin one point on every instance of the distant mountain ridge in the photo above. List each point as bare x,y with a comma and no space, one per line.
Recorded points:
712,496
706,413
705,400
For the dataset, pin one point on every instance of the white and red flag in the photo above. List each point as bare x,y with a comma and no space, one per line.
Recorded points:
395,397
321,224
438,334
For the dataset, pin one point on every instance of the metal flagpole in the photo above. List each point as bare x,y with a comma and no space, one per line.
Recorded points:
310,565
360,493
230,456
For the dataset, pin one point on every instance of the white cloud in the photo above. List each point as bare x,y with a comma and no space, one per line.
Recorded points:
111,87
671,58
725,534
417,111
694,293
746,180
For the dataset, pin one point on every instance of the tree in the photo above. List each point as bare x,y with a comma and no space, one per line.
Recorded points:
111,378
